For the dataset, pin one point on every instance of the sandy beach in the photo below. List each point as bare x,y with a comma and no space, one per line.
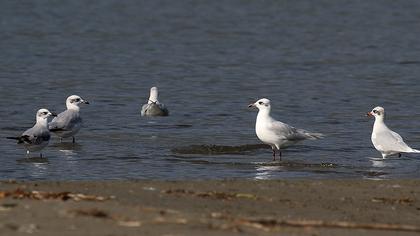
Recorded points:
231,207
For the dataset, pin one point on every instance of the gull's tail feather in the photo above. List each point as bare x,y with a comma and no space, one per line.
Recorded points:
415,151
310,135
16,138
315,135
19,139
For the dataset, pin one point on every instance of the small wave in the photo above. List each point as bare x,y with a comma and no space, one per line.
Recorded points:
35,160
217,149
408,62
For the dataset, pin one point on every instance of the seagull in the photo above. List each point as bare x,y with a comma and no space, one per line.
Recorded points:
275,133
37,137
68,122
153,106
386,141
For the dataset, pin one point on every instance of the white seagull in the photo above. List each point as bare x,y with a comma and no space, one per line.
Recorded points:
68,122
275,133
37,137
386,141
153,107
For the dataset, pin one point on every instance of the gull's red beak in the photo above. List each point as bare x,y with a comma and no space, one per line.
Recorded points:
369,114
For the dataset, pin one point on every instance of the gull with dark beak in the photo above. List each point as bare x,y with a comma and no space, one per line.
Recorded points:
37,137
275,133
68,122
386,141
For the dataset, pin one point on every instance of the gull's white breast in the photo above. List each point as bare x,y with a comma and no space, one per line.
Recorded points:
265,132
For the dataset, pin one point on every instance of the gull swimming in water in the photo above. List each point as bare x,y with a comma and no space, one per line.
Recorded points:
37,137
275,133
386,141
153,106
68,122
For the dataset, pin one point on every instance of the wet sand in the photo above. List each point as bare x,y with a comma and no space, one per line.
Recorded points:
231,207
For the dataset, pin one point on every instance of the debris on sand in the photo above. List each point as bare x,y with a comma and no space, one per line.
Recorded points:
40,195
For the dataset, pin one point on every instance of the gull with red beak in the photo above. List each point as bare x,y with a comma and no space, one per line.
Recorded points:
386,141
275,133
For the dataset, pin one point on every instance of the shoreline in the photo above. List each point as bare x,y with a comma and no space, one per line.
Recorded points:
210,207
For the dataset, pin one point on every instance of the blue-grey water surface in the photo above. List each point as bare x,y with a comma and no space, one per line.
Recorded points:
323,64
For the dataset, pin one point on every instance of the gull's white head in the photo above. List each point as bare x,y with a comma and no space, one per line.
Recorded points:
74,101
377,112
262,104
42,114
153,95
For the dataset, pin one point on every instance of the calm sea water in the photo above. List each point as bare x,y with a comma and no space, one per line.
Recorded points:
324,64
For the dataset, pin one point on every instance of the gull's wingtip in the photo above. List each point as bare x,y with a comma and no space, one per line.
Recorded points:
415,151
16,138
20,139
316,135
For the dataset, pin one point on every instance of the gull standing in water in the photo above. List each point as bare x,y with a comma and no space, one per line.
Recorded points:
153,106
68,122
37,137
275,133
386,141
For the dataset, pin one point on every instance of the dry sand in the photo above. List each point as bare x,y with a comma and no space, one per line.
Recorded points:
231,207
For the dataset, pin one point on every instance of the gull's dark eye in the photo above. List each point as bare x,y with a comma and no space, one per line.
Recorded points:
260,103
375,111
77,99
44,113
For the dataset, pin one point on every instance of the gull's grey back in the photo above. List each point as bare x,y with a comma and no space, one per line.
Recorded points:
36,135
390,140
66,120
154,109
292,133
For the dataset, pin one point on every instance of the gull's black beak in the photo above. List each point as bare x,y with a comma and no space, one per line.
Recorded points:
53,114
251,105
85,102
